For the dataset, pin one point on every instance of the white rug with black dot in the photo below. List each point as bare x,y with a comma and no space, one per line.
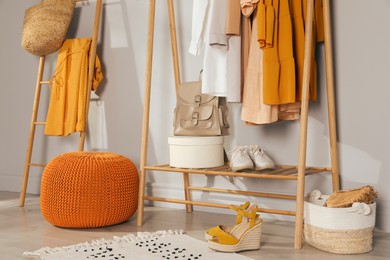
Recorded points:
167,245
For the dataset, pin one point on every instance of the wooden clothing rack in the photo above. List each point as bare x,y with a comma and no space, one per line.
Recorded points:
39,83
284,172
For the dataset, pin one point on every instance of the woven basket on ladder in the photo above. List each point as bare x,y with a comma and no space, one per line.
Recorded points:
45,26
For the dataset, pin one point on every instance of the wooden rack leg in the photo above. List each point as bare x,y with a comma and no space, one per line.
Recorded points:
303,126
330,94
175,55
176,71
27,163
187,192
146,110
91,69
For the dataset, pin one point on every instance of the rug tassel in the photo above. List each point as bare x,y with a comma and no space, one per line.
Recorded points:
105,242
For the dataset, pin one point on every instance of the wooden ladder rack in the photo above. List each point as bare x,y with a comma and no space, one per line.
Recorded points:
284,172
39,83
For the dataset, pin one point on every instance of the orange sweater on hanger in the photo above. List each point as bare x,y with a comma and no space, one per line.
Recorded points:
66,112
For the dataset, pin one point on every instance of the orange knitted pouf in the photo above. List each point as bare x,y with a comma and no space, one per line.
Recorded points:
89,189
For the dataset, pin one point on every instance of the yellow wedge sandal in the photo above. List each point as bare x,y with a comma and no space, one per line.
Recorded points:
246,236
212,232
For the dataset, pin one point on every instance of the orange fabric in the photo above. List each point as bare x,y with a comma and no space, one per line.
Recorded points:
318,18
278,60
299,9
261,25
233,17
289,111
247,8
246,31
266,23
346,198
66,112
89,189
253,109
299,43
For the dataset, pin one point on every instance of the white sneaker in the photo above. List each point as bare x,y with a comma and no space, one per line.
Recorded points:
240,159
260,158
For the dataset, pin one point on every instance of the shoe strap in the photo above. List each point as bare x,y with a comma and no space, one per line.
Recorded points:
223,237
252,215
240,211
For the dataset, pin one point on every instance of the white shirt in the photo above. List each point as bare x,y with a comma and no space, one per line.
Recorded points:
222,54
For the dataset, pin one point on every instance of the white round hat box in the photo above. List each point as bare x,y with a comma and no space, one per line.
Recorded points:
196,151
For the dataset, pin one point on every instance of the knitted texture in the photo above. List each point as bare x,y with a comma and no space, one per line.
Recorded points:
345,198
89,189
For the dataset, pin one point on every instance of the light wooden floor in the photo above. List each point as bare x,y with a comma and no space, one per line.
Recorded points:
24,229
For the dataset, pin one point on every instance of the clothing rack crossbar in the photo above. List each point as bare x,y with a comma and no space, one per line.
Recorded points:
242,192
216,205
255,175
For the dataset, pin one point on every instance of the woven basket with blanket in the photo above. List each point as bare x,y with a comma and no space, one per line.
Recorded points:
341,223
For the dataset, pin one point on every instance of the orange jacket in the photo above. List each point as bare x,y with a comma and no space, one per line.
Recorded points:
281,34
276,39
67,106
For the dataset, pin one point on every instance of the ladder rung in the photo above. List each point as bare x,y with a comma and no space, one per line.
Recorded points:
45,82
39,123
38,164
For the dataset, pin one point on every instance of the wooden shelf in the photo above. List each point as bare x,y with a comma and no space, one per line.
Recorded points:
282,172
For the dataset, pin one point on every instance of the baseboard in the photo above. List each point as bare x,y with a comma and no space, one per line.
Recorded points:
13,183
383,215
176,192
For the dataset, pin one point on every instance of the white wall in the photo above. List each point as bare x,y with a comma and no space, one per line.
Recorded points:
362,66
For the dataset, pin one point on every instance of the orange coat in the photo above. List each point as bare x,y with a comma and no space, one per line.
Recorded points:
275,37
278,32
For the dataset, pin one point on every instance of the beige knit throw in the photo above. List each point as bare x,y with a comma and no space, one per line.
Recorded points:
345,198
